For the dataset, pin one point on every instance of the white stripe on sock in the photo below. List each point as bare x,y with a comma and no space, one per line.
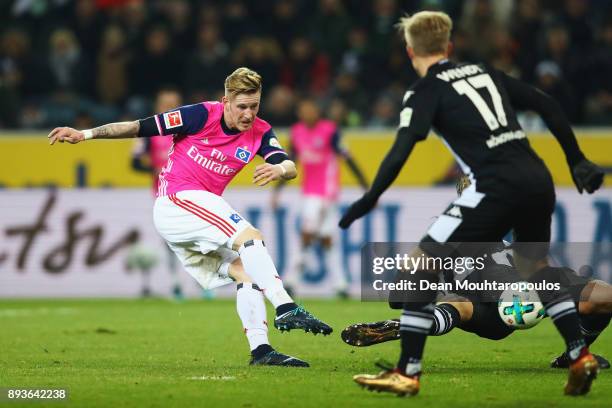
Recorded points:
558,308
415,321
441,321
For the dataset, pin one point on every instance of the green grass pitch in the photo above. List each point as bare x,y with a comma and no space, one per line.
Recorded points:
158,353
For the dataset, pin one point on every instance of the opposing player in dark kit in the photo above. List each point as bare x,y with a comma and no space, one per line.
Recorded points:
477,312
472,107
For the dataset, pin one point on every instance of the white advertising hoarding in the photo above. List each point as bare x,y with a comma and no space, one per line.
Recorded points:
76,242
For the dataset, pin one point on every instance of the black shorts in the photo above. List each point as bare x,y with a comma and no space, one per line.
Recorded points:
490,215
486,322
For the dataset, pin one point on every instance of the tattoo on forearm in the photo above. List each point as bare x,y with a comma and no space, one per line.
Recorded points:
117,130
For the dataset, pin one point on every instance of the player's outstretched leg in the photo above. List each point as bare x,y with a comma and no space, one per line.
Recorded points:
259,267
252,311
446,317
368,334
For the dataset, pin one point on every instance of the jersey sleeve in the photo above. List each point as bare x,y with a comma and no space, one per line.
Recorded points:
418,110
337,144
186,120
271,149
526,97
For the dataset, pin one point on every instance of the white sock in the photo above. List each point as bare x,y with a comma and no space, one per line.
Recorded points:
333,265
258,265
252,311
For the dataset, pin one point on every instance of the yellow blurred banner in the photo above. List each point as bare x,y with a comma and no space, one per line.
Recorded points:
29,161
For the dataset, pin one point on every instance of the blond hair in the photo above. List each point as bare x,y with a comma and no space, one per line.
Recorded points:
427,32
242,80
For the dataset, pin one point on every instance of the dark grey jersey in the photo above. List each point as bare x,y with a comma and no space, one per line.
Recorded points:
469,106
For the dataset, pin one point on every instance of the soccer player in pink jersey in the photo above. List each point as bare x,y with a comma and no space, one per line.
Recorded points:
213,141
150,155
315,142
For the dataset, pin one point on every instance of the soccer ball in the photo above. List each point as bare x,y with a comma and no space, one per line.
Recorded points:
520,309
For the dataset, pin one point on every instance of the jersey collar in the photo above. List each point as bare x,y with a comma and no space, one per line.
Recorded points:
439,66
226,129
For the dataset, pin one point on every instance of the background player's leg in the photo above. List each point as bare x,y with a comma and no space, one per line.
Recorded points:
310,226
333,264
296,271
330,241
177,289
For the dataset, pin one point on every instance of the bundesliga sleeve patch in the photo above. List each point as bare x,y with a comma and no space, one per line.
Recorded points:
173,119
275,143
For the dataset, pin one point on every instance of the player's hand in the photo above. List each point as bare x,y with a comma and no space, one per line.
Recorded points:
265,173
357,210
65,134
587,176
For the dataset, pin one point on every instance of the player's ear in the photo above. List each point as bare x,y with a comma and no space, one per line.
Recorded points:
449,49
410,52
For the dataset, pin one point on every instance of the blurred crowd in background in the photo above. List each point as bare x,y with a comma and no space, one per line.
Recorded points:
88,62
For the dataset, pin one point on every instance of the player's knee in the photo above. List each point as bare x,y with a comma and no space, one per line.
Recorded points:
237,273
592,307
587,307
307,238
326,242
249,234
596,298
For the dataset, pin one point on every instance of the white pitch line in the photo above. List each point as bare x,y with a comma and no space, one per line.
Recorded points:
213,378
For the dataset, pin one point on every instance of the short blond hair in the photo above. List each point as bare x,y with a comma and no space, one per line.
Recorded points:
242,80
427,32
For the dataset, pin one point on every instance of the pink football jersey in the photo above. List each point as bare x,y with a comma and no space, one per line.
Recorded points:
209,158
316,151
158,152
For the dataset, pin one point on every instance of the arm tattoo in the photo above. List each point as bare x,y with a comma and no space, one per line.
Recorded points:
117,130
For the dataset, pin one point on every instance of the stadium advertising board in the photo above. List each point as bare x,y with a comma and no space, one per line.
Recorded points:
99,242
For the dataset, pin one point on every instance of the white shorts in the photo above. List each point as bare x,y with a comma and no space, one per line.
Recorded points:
200,228
319,216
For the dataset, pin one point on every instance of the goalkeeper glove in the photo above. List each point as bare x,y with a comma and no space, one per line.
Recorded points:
587,176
